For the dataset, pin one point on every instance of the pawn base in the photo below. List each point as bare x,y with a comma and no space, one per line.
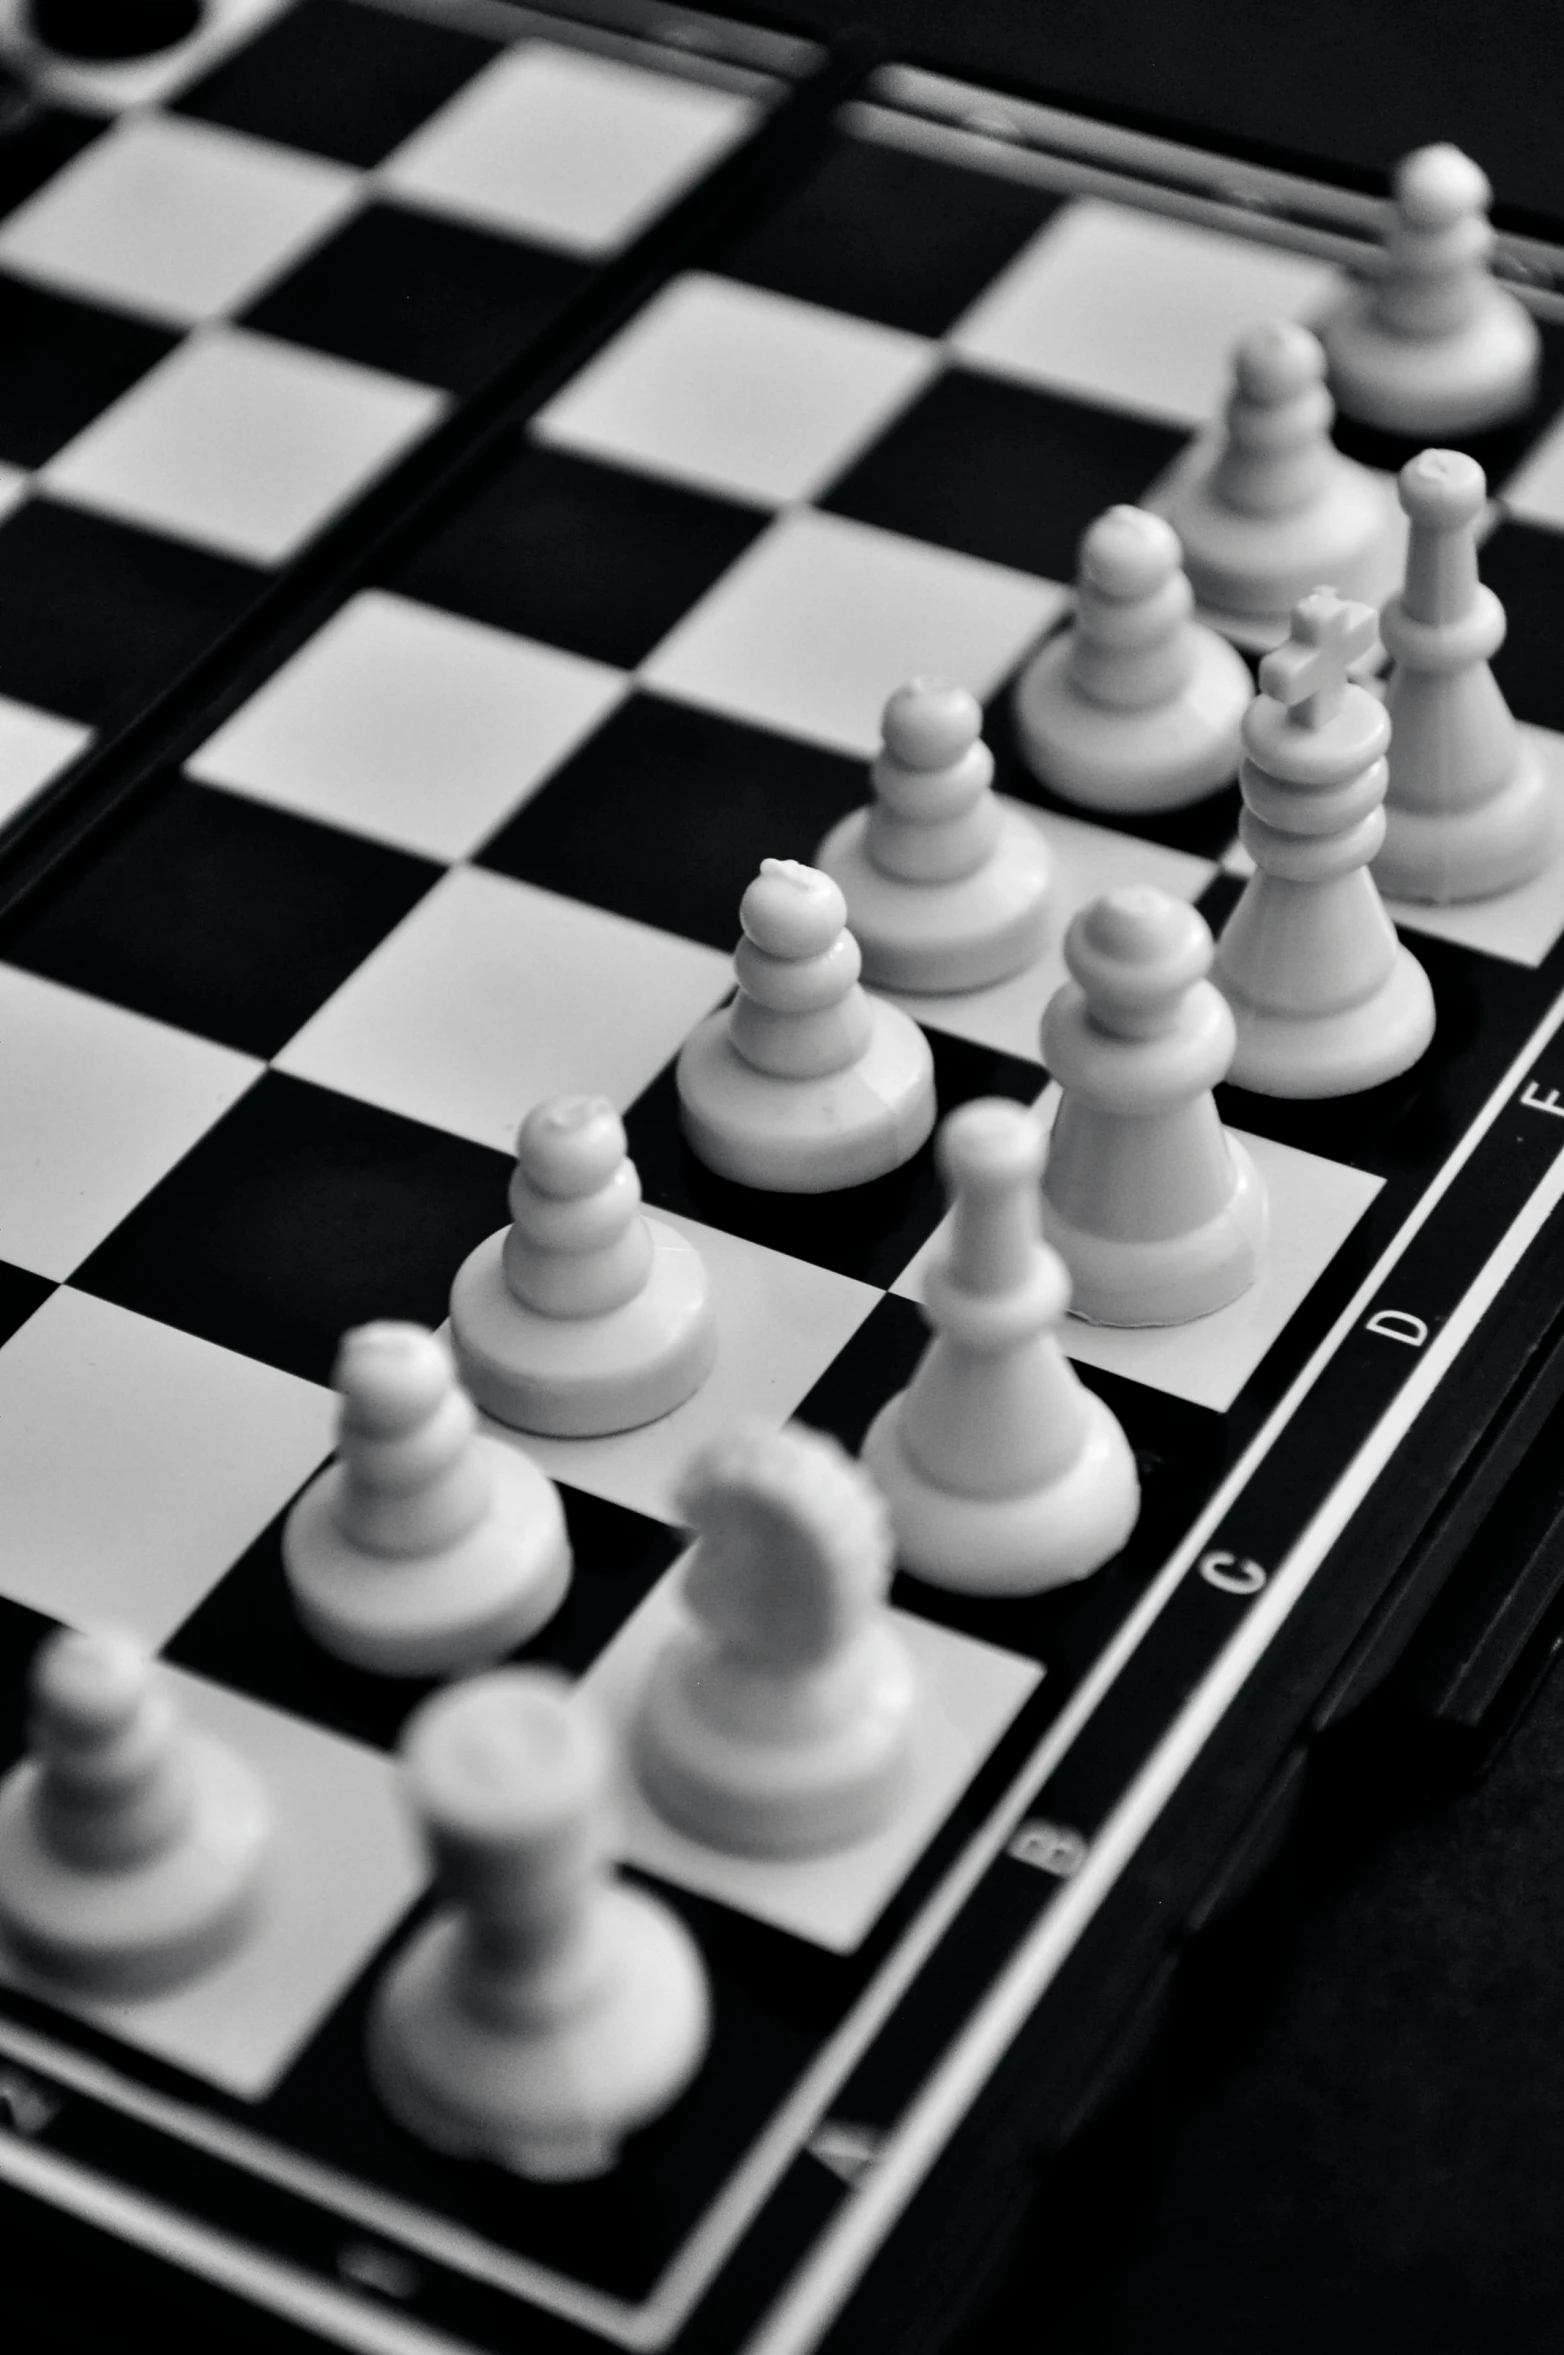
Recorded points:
1430,387
139,1929
945,936
808,1136
1336,1054
1160,758
549,2093
1009,1545
434,1614
764,1763
1443,856
1257,567
1178,1277
580,1377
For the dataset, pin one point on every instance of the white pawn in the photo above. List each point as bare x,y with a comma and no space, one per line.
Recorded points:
427,1548
779,1722
946,885
1156,1211
1433,346
549,2009
1003,1472
1326,999
1469,810
805,1083
584,1316
1138,706
132,1852
1274,507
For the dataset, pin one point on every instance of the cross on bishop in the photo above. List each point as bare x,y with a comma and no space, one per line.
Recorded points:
1309,674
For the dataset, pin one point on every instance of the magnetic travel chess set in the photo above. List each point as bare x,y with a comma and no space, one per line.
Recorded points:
612,1704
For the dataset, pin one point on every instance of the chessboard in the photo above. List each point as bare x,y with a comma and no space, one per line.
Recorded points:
470,831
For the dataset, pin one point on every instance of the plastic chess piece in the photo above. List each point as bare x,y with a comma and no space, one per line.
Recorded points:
426,1548
1158,1213
108,31
132,1851
549,2009
1433,345
779,1721
1274,507
805,1083
946,885
584,1316
1138,706
1326,999
1469,810
1003,1472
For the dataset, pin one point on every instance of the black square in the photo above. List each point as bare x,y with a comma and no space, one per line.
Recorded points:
38,147
96,618
339,79
577,555
216,914
1524,566
666,814
246,1633
419,297
21,1292
869,1232
64,363
888,235
1000,471
299,1214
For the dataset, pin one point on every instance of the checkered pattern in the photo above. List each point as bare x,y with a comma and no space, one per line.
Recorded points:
230,309
481,839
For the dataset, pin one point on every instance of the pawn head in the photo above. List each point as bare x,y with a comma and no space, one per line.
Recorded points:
87,1686
1135,952
1129,553
931,723
791,910
570,1146
1435,186
988,1146
392,1376
1443,490
1277,360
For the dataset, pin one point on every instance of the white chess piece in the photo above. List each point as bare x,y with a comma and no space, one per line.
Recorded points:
778,1721
132,1851
549,2008
946,885
805,1083
1158,1213
426,1548
1433,346
1138,706
1273,507
584,1316
1003,1472
1326,999
1469,810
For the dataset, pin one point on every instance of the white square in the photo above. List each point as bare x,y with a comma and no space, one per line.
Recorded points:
1134,310
1520,926
34,746
343,1869
738,390
100,1104
15,482
492,995
409,724
822,619
138,1462
970,1693
780,1324
568,150
1535,492
175,219
242,444
1314,1206
1089,860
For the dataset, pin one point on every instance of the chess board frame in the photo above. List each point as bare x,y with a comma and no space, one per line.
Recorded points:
1400,1415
